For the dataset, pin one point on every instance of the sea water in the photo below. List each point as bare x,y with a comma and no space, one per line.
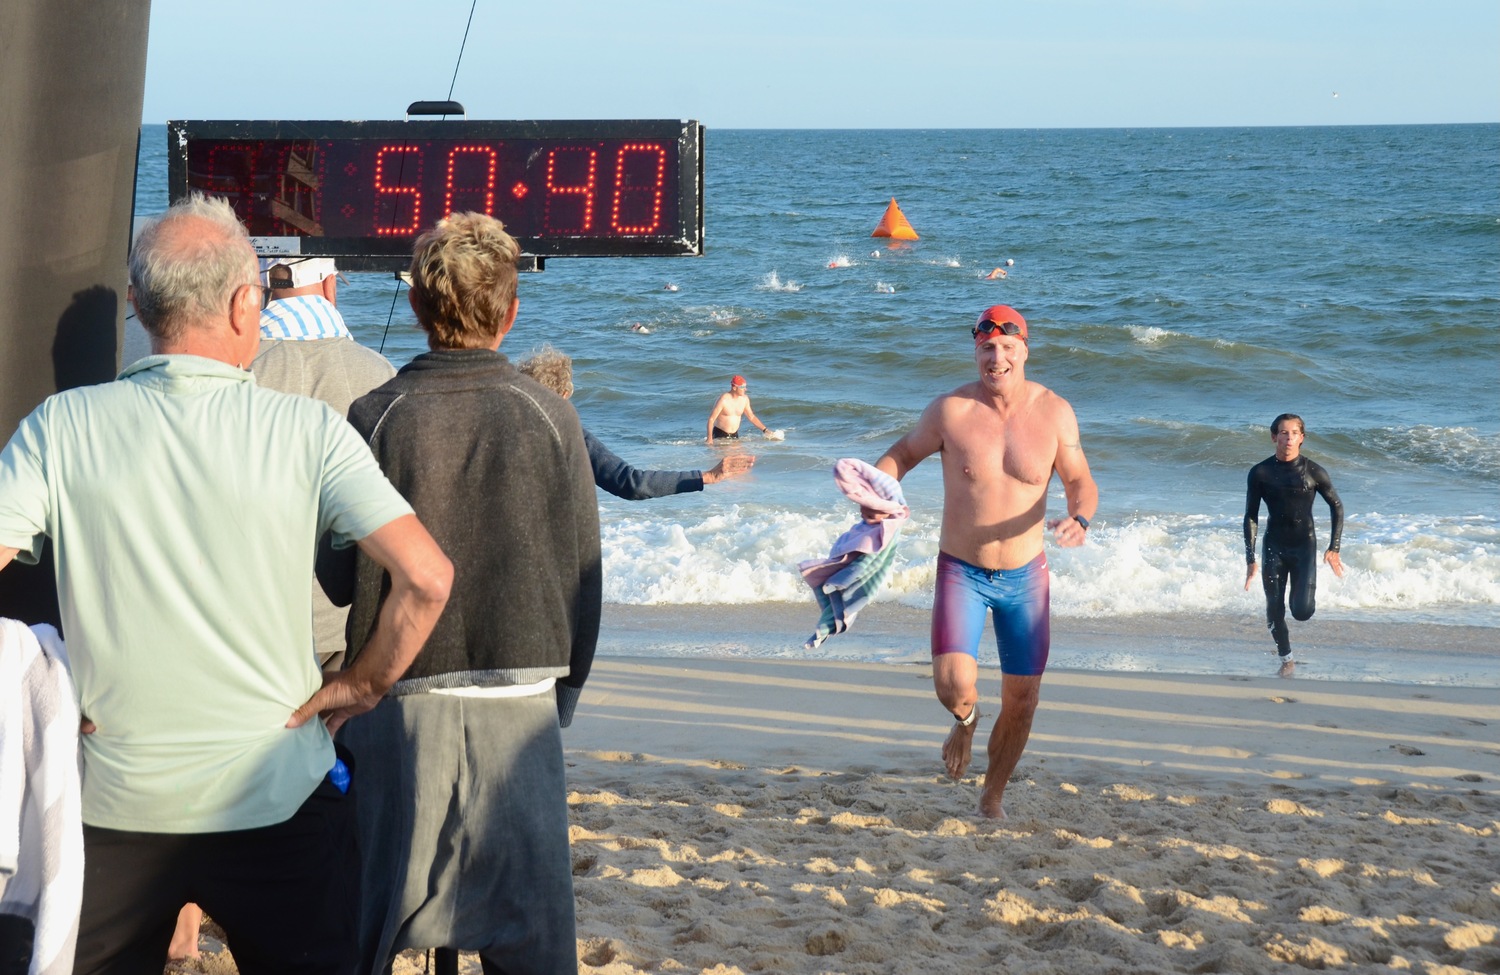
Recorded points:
1183,287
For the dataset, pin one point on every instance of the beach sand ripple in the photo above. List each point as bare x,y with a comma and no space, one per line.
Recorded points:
794,818
1336,879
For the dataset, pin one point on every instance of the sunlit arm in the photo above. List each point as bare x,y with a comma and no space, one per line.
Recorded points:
421,578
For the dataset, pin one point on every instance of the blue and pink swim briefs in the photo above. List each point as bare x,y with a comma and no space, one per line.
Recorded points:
1020,599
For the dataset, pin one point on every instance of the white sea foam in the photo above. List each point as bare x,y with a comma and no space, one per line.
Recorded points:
1458,448
1426,569
772,282
840,260
1148,334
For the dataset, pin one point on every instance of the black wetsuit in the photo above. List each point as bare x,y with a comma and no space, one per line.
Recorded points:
1290,550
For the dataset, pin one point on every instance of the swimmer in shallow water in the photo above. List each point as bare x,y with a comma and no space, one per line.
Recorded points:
731,407
1286,482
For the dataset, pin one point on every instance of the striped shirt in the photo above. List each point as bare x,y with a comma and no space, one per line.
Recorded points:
301,318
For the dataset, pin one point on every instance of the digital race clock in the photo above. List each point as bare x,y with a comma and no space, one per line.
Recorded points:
363,191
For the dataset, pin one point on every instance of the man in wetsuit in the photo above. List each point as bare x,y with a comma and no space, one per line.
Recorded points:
1286,482
1001,438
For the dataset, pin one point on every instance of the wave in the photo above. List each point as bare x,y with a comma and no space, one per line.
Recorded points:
1399,568
1460,449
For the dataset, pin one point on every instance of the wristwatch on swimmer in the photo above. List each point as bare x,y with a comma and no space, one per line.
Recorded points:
1082,521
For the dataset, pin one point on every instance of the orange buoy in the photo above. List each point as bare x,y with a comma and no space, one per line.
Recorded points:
894,224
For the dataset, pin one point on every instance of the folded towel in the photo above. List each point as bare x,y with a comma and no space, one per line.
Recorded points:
863,557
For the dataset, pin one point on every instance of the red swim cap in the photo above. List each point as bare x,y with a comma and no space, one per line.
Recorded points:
737,381
1000,315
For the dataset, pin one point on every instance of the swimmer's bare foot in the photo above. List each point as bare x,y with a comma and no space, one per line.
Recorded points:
989,803
1288,667
960,745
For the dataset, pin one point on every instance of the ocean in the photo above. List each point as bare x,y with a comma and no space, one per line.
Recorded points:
1183,287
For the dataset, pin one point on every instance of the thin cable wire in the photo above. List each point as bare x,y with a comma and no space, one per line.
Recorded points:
390,315
461,47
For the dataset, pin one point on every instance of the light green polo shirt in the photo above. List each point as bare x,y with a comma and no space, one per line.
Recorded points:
184,503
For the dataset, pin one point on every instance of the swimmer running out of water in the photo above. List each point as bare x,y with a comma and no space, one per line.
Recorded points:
1286,482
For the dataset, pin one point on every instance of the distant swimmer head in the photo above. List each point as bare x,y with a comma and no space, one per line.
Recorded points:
1010,262
1002,319
287,272
638,327
738,382
669,286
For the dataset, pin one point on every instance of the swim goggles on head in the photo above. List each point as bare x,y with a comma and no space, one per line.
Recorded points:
1004,328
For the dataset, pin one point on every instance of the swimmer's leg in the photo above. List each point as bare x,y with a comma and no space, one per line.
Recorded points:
1018,700
955,677
1304,582
1023,631
958,613
1273,579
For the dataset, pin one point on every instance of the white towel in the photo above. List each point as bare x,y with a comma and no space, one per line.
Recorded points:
41,825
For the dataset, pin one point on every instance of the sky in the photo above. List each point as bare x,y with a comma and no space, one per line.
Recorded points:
836,63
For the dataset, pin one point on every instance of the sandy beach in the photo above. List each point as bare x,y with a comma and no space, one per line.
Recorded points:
753,816
746,814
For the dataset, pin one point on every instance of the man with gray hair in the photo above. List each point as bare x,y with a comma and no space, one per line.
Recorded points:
307,349
184,504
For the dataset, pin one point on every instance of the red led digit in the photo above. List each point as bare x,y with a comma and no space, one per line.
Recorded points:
571,172
408,175
483,186
644,201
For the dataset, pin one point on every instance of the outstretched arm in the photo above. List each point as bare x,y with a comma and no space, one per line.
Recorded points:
421,577
735,465
613,474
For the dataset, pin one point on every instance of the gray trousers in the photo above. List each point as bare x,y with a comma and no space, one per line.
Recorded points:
463,826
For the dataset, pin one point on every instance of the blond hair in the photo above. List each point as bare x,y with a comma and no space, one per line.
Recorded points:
463,280
552,368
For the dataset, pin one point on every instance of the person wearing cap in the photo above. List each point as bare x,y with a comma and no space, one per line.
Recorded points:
1286,481
554,369
731,407
184,504
305,348
1001,438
